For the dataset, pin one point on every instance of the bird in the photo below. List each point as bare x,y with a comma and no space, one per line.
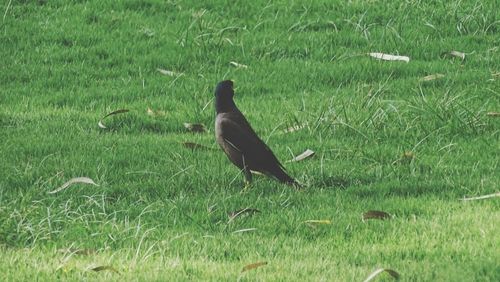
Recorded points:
240,142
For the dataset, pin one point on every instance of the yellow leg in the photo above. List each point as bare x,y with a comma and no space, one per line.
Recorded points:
246,187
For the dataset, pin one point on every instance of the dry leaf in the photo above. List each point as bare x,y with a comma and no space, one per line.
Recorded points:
253,266
154,113
493,114
168,73
432,77
388,57
237,65
104,267
295,128
458,54
101,125
307,154
391,272
195,146
148,32
314,222
375,215
244,230
405,158
84,180
482,197
195,127
318,221
234,214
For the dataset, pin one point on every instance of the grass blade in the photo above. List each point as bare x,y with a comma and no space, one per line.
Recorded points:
195,146
432,77
103,268
244,230
83,180
234,214
101,125
82,252
374,274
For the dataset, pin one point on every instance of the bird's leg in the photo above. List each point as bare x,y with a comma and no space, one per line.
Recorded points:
247,172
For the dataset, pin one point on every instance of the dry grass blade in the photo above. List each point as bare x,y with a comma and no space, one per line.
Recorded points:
307,154
103,268
234,214
238,65
497,194
253,266
493,114
375,215
388,57
83,180
195,127
195,146
168,73
121,111
244,230
374,274
432,77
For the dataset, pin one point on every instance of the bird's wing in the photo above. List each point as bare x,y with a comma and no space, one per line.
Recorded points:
238,134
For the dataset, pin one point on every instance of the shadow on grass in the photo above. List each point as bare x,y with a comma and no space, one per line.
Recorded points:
408,190
340,182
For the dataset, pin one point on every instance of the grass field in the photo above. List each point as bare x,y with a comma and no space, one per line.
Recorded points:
385,139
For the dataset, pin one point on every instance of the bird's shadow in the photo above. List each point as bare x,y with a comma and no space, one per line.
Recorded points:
339,182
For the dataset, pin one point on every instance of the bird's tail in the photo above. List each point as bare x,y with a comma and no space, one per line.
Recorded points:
283,177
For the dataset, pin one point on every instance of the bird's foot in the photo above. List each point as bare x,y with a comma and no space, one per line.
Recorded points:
246,187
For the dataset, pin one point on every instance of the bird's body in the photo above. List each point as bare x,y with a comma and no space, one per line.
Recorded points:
240,142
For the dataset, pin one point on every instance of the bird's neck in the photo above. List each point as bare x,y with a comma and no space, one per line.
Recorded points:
224,105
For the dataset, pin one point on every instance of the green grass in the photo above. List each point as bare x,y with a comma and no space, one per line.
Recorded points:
160,212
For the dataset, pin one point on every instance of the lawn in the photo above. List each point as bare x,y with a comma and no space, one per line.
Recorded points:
411,139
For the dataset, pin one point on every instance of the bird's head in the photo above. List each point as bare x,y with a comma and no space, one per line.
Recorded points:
224,89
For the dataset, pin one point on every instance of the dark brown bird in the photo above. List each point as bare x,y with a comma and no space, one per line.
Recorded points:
240,142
